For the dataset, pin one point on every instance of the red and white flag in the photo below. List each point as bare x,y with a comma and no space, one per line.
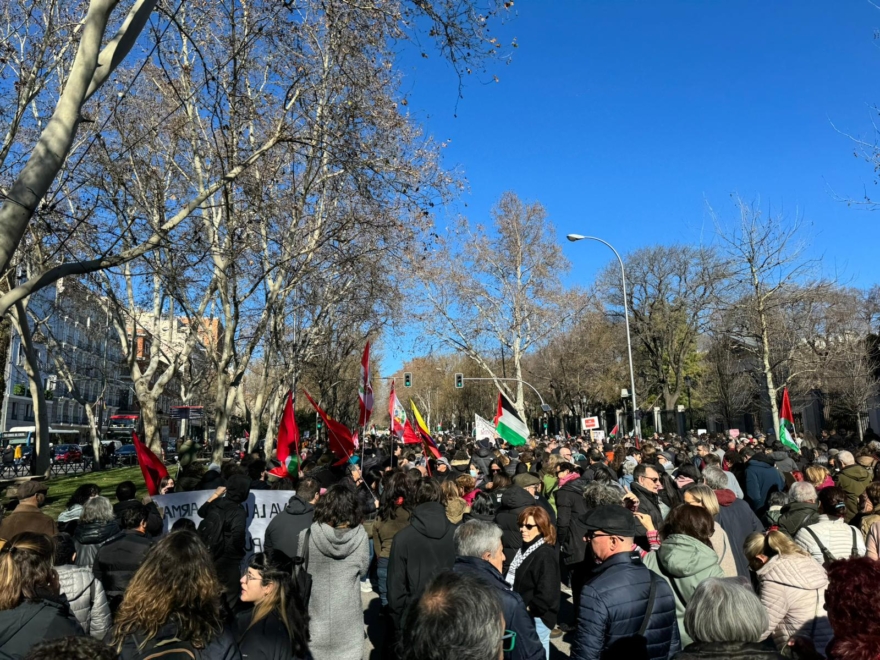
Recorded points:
396,412
365,389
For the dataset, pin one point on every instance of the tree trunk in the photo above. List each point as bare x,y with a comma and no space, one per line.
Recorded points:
150,419
38,396
94,438
271,435
769,383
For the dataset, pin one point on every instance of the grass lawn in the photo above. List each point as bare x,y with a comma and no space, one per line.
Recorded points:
62,487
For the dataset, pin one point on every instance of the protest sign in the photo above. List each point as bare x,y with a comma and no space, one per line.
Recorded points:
483,428
261,506
597,435
589,423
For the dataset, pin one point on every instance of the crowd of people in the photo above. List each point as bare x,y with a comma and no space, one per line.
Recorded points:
666,548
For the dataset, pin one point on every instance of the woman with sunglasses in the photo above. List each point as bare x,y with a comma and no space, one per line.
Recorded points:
534,571
277,628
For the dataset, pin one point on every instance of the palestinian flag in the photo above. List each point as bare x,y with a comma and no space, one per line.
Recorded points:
508,425
786,423
614,431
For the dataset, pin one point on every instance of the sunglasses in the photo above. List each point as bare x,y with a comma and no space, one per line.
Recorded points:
656,480
527,526
508,641
590,537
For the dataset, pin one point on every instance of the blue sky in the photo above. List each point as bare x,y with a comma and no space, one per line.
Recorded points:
626,118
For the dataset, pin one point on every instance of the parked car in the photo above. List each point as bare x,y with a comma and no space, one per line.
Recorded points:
68,454
126,455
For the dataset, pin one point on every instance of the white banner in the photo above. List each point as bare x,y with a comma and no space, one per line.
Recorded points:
590,423
261,507
597,435
483,428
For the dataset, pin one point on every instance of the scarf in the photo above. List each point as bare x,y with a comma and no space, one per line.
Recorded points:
519,558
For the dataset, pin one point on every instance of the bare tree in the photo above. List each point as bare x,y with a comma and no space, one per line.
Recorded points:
484,288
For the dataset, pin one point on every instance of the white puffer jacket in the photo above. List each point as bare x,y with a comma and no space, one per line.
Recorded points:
793,592
88,602
835,535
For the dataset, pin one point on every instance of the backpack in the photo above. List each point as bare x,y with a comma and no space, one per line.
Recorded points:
172,649
301,576
826,553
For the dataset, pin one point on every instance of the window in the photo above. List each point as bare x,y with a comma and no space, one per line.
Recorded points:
14,410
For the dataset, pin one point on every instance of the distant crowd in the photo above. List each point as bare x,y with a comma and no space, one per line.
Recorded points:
671,547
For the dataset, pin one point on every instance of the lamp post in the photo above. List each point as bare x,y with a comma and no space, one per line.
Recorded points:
637,423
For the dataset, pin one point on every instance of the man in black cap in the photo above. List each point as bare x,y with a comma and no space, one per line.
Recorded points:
625,611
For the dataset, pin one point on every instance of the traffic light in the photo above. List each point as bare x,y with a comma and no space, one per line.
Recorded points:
407,379
459,380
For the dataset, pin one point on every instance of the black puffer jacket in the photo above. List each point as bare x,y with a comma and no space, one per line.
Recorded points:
648,503
728,651
89,537
611,610
284,529
117,562
514,501
221,647
420,551
33,622
267,639
570,506
516,616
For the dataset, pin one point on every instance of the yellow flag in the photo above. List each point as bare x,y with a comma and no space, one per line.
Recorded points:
419,420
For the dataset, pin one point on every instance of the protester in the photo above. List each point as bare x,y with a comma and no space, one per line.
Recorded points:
570,506
853,479
338,557
686,556
277,628
97,526
84,592
869,509
283,531
853,609
125,496
831,538
458,616
27,517
726,622
453,503
393,517
32,609
819,476
173,603
792,589
513,502
534,572
419,552
614,619
802,511
645,486
762,478
69,518
483,508
703,496
479,553
118,559
224,531
735,517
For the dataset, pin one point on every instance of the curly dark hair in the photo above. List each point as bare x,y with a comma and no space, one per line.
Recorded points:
72,648
851,598
394,495
83,494
339,507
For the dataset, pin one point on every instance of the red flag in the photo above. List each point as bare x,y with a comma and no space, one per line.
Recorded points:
288,433
365,389
410,437
341,442
152,468
397,413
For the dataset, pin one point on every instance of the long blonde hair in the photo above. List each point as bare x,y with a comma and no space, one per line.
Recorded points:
176,582
816,474
771,544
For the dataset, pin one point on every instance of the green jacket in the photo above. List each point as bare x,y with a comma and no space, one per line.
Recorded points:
853,479
684,562
551,485
797,515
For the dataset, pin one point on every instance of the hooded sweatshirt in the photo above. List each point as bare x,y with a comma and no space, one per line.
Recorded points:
793,592
854,479
419,552
684,562
338,558
783,461
284,529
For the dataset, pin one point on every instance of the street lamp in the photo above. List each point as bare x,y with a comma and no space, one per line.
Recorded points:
637,424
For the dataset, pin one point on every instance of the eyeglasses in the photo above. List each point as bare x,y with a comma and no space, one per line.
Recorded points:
247,577
598,536
656,480
527,526
508,641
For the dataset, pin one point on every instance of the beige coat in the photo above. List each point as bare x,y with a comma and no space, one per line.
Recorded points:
721,546
793,592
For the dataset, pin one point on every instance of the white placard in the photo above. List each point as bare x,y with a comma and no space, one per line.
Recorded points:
590,423
597,435
261,507
483,428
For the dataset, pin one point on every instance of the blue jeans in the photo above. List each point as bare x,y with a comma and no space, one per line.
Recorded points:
544,635
382,579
